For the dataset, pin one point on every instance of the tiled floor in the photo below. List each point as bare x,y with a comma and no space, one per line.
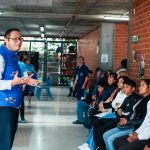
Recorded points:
50,125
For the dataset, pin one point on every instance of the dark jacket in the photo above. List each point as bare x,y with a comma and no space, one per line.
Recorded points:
107,92
139,113
127,105
108,105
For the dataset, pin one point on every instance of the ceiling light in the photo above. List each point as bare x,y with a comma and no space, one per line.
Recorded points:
42,35
116,18
42,29
1,12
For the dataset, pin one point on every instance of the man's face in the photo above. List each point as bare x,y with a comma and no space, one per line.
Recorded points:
128,90
80,61
14,41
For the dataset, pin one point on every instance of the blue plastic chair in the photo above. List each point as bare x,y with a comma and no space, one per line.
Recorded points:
47,86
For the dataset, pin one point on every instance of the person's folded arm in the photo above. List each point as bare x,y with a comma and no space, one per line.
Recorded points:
144,130
4,84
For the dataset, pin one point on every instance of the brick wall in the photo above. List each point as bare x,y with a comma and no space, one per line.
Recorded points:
120,43
140,25
87,47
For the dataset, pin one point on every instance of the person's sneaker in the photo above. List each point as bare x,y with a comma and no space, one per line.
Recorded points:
97,148
23,121
77,122
29,105
82,146
86,148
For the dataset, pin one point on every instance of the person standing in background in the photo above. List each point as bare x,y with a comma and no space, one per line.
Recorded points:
11,84
122,67
81,78
29,90
23,74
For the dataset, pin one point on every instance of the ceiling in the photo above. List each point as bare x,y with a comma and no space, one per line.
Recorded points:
61,18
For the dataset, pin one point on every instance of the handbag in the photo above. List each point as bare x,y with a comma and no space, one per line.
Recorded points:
89,116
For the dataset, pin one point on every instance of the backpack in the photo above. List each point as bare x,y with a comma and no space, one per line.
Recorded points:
89,116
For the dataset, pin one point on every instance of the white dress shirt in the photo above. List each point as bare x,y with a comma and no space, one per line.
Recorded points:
144,130
4,84
117,102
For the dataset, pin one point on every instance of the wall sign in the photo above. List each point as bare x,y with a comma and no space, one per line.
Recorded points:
104,58
135,38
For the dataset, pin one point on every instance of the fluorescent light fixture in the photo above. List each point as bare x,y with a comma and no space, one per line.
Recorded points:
42,35
116,18
42,29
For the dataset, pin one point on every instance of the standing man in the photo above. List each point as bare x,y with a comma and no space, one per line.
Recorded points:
11,84
80,81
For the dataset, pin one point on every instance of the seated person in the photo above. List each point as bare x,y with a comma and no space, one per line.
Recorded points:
98,77
141,136
122,67
126,109
147,147
125,126
83,104
117,97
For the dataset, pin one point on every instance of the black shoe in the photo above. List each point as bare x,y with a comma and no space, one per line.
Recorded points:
99,148
96,148
69,95
77,122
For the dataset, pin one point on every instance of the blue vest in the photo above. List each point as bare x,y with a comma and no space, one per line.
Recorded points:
11,98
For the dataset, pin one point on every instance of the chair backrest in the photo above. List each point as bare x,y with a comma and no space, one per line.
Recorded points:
48,82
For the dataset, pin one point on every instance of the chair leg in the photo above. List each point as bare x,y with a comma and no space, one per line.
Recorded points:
38,93
49,93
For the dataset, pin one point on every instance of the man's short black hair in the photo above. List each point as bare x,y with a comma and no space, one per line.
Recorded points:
114,75
97,69
102,83
8,32
130,83
124,63
124,78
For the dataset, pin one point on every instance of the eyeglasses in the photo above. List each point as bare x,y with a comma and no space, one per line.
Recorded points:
17,39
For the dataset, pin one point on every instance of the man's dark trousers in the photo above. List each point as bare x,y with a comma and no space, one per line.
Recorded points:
8,126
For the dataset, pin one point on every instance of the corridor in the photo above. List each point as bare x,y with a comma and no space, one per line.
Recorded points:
50,125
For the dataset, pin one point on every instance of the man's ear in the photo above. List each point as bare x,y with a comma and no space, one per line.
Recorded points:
5,40
133,89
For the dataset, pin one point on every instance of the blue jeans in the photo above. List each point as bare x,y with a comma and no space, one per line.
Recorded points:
82,108
8,126
90,139
114,133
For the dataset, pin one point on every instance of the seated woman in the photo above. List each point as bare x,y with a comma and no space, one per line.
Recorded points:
147,147
125,126
141,136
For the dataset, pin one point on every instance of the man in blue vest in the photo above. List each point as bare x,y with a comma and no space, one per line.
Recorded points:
11,84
